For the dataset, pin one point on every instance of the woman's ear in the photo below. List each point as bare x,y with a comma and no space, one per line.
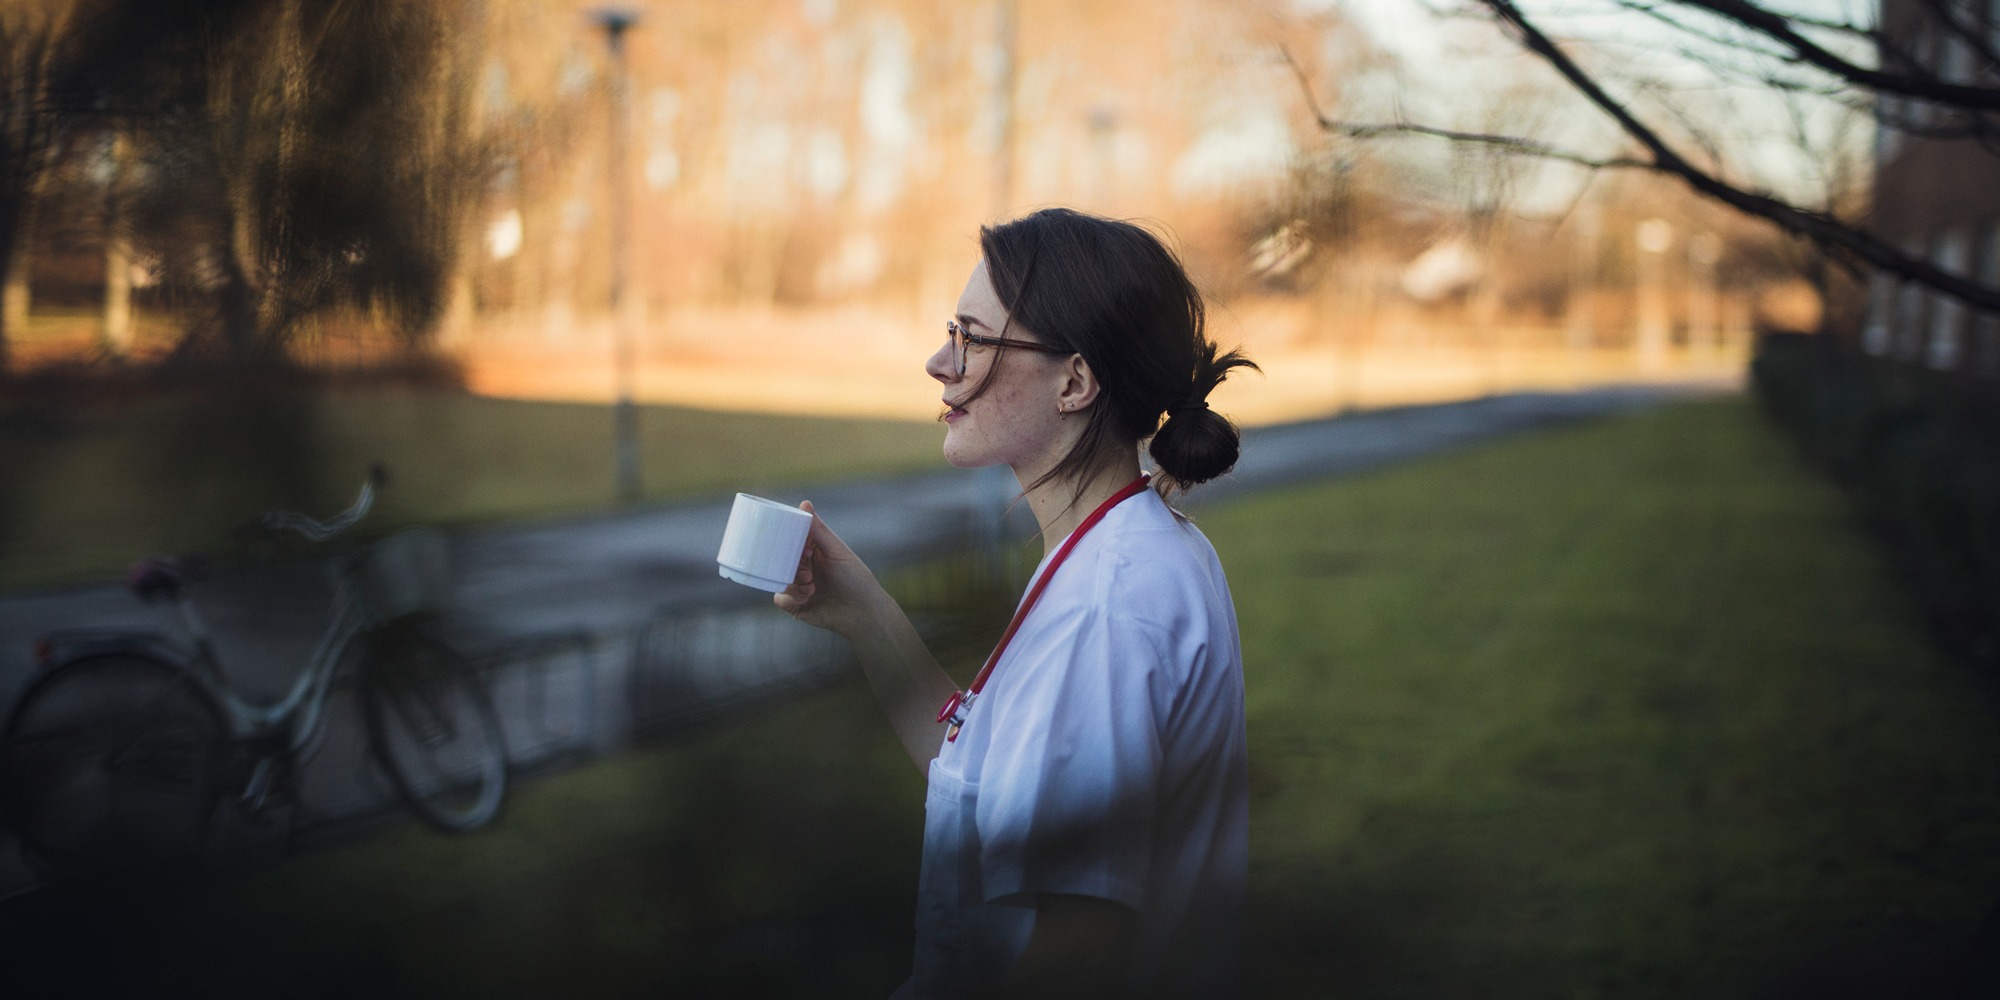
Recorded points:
1079,387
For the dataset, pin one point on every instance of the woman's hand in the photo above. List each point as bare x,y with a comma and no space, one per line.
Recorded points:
834,589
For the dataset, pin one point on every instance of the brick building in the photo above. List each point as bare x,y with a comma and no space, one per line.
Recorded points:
1936,192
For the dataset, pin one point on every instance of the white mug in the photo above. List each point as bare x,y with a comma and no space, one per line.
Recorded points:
763,542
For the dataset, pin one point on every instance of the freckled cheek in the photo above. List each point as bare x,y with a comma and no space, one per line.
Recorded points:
1021,436
1008,417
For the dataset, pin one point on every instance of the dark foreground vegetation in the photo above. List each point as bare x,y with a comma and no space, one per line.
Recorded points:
1632,710
1920,452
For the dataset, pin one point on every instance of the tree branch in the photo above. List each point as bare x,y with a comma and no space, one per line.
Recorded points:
1848,28
1653,12
1962,123
1969,34
1780,29
1305,86
1513,144
1370,130
1821,228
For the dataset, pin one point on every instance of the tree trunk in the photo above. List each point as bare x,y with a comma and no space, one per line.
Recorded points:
243,293
7,326
117,327
452,330
17,233
116,332
15,294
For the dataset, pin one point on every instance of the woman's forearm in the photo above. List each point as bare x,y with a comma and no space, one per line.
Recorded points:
835,590
906,678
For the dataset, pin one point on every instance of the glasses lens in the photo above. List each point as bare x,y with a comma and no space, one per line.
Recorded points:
957,344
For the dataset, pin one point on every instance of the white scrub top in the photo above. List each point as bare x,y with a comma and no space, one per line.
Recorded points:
1106,757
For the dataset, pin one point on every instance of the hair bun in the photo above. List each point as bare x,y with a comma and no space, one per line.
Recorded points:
1195,445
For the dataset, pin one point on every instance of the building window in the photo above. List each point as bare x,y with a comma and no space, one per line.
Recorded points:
1944,348
1881,307
1992,28
1908,326
1888,115
1923,53
1986,322
1956,64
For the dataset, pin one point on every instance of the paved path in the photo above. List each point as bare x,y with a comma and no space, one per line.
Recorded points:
570,613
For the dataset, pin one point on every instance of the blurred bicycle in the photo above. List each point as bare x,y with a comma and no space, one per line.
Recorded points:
126,747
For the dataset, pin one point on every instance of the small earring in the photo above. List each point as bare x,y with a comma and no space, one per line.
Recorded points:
1063,409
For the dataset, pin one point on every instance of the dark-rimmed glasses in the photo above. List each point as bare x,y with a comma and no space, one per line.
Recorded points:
962,339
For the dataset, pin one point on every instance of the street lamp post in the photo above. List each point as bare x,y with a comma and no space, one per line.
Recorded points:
624,415
1654,237
1006,44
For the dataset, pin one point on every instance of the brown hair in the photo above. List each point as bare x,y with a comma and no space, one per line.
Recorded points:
1112,292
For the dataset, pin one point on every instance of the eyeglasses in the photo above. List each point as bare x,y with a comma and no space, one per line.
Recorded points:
962,339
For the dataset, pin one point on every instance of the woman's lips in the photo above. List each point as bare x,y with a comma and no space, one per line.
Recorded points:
951,412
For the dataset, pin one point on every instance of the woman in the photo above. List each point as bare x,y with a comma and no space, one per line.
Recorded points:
1086,823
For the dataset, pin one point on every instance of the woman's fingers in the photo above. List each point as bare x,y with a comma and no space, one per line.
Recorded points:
823,536
796,596
829,581
800,593
793,598
804,576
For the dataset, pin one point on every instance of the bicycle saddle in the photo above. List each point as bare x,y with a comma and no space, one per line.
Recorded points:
156,577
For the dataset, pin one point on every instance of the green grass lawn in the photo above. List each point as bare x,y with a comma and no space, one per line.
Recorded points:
1625,710
88,488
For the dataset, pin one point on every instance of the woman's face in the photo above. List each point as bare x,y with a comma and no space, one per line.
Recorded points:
1015,421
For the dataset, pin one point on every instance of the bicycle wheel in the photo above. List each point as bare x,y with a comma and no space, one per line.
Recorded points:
111,762
432,727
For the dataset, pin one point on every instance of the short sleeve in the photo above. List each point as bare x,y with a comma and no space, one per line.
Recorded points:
1070,786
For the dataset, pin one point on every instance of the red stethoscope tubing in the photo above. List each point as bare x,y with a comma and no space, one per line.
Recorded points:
955,706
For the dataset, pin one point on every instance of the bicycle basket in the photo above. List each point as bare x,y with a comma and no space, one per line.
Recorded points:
409,572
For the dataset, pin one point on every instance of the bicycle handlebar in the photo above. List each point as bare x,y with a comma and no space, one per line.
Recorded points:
316,530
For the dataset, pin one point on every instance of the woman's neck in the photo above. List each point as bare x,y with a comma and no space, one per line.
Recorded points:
1060,505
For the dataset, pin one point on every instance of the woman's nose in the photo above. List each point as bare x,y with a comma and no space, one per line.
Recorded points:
939,365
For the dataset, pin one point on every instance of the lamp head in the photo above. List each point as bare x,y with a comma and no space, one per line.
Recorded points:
615,20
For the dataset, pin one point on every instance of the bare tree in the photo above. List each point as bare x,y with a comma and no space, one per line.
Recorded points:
1861,67
338,138
299,156
29,128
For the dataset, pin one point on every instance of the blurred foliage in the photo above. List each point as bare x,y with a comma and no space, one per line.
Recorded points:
301,156
1921,451
29,128
282,158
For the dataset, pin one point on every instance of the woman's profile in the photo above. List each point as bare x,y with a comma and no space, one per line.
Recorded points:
1086,820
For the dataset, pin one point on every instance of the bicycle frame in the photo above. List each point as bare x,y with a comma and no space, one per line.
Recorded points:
430,722
300,713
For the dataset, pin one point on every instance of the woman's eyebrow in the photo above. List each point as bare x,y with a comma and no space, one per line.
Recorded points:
964,320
